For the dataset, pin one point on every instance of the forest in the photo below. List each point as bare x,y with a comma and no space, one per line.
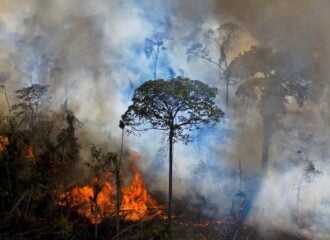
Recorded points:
186,122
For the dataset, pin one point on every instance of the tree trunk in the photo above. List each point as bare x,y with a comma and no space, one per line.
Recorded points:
227,92
299,186
265,144
155,71
117,199
155,63
170,175
8,105
118,185
95,231
240,173
266,136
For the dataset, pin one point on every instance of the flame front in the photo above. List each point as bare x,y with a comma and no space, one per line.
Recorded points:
90,202
136,202
96,201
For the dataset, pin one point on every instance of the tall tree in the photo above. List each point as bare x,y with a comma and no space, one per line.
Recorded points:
118,179
176,106
152,48
269,77
222,39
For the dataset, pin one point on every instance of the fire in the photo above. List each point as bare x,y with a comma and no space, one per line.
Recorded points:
136,202
96,200
91,202
4,142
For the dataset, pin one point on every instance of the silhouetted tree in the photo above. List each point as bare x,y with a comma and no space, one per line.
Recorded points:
222,39
176,106
152,48
32,99
262,75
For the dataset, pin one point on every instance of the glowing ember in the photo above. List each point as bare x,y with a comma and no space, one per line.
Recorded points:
96,201
29,152
4,141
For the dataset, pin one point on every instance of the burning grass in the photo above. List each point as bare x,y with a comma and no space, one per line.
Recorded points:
96,201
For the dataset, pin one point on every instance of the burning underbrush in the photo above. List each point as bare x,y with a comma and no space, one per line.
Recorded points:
85,207
145,216
93,206
96,200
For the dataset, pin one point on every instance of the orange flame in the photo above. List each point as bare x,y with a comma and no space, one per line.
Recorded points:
96,201
4,142
136,202
89,202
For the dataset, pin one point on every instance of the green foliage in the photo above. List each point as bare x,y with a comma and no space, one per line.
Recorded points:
180,103
101,162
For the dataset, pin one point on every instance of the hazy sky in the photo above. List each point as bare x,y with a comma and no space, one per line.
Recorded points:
91,52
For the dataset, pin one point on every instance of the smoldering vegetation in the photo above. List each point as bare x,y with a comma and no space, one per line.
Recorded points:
264,166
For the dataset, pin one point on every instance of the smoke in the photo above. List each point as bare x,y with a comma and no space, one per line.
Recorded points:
299,30
91,55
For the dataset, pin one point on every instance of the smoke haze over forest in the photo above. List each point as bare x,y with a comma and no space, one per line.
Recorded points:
91,54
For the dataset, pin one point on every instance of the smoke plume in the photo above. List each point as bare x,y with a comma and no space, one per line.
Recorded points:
91,54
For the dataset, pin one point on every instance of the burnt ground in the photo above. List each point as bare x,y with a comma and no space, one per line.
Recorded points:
76,227
156,230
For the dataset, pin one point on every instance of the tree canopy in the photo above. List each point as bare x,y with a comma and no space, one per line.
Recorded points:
179,103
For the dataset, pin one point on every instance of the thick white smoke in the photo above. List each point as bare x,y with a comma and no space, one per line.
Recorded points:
91,55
